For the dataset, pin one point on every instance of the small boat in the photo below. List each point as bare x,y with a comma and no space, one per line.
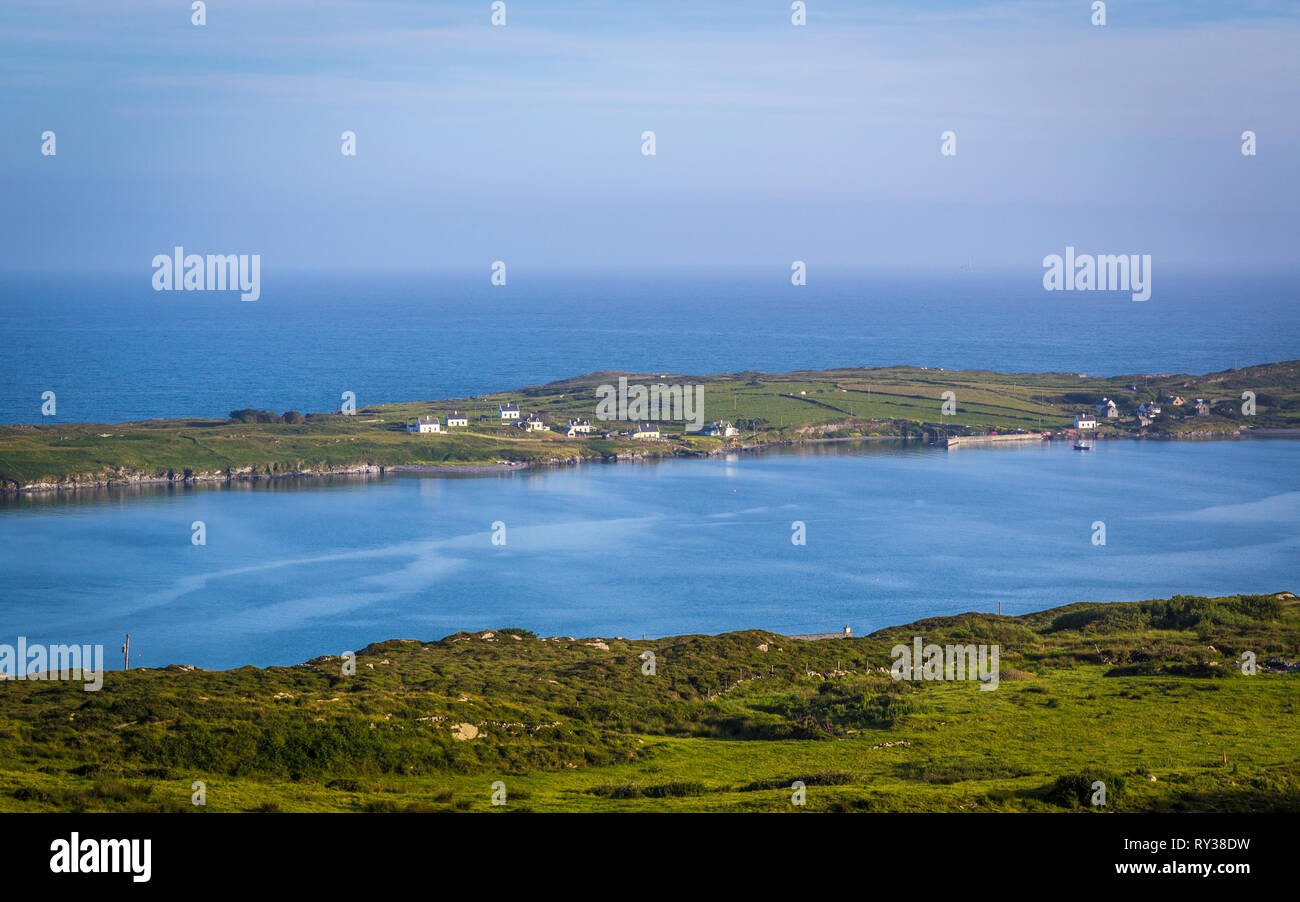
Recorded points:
1083,446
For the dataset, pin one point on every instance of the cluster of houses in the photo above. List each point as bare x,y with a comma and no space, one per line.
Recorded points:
1146,413
434,424
510,413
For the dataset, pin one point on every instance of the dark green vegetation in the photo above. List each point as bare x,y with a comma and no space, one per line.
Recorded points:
802,406
1145,696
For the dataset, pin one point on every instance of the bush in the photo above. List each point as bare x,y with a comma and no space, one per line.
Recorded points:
252,415
1076,789
663,790
822,778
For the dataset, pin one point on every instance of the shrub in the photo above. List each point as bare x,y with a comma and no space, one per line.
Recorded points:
252,415
1076,789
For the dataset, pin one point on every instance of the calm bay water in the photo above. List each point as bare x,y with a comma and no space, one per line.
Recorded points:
112,349
294,569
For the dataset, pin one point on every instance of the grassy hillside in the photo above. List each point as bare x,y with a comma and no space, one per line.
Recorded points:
768,408
1145,696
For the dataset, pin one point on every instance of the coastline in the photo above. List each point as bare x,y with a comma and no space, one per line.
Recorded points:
94,482
762,411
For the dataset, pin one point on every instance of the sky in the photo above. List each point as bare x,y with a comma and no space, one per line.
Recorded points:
523,143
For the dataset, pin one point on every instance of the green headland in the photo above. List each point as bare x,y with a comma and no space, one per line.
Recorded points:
1150,698
764,409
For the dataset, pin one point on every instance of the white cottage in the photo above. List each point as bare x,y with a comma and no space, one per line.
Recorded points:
425,424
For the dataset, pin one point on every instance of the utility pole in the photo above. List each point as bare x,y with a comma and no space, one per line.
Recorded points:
126,653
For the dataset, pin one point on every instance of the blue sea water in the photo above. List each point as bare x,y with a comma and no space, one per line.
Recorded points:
112,349
293,569
297,568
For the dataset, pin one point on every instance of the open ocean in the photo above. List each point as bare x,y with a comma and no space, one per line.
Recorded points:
112,349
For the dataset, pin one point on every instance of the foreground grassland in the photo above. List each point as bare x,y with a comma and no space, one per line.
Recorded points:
1145,696
789,407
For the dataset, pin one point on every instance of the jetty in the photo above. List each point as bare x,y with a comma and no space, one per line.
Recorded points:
967,441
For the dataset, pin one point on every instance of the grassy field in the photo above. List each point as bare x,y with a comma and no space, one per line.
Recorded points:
786,407
1146,697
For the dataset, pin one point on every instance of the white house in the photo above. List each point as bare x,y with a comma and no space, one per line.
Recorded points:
578,427
1112,412
721,428
532,423
456,418
1085,421
508,411
645,430
424,424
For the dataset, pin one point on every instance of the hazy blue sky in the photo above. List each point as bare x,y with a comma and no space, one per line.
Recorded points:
522,143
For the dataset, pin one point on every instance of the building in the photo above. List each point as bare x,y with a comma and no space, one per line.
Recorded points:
578,427
456,418
721,429
424,424
532,423
1202,407
508,411
1149,409
645,430
1142,420
1085,421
